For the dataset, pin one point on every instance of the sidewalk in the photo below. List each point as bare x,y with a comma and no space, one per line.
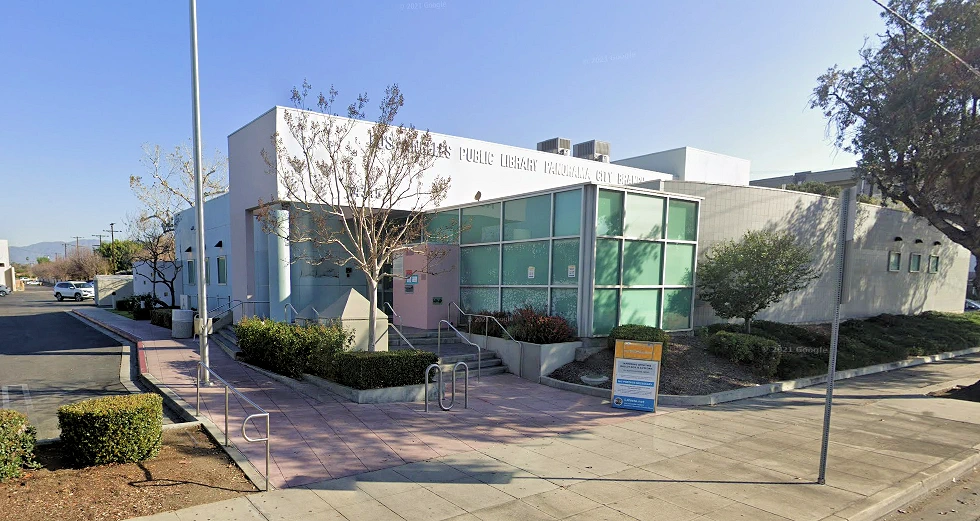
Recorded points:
321,436
754,459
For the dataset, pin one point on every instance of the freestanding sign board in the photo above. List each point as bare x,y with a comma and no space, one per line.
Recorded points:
636,375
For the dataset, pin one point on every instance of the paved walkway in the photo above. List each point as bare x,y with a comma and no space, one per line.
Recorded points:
754,459
322,436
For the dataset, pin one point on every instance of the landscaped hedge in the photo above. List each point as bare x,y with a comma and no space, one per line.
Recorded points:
526,325
290,349
162,318
762,354
637,332
17,440
113,429
374,370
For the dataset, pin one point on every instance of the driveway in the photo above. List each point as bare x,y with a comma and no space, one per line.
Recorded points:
49,358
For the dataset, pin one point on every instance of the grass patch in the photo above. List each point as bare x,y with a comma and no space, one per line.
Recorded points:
127,314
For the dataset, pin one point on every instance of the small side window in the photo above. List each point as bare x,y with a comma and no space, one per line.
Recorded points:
915,262
894,261
933,264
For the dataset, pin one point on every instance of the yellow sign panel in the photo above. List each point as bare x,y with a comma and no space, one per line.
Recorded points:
639,350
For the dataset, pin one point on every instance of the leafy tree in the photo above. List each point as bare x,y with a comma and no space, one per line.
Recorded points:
355,199
910,111
120,252
740,279
815,187
42,260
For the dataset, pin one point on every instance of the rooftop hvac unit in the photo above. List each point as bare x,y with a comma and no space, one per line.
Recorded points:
558,145
592,149
604,158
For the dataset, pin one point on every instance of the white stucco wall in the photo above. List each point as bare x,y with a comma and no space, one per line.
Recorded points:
729,211
217,228
693,164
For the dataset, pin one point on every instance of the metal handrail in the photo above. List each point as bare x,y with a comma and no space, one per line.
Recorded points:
241,304
442,391
396,315
486,332
285,312
400,335
200,365
479,350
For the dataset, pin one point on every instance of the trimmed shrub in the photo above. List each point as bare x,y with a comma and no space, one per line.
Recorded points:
637,332
17,440
480,325
375,370
123,304
527,325
162,318
290,349
762,354
112,429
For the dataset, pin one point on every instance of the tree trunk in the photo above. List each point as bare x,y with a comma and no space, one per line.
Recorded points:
748,325
372,287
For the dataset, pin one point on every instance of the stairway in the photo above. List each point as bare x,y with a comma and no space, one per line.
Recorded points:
453,350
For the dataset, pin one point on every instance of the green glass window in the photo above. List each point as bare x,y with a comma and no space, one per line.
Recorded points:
641,263
568,213
679,269
564,303
526,263
479,265
894,261
934,264
477,300
682,220
191,273
915,262
640,306
644,216
527,218
605,304
609,219
564,261
606,262
481,224
207,270
516,298
222,270
443,227
677,309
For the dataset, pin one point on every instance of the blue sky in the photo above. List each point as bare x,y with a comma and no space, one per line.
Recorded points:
84,84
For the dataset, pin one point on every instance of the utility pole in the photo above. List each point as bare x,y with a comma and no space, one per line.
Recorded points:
65,244
112,232
76,237
202,292
100,236
112,244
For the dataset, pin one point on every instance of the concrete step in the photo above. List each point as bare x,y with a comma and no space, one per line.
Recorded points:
229,335
469,358
486,371
447,365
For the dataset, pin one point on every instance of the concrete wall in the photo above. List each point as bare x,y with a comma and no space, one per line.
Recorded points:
729,211
692,164
110,288
217,230
7,275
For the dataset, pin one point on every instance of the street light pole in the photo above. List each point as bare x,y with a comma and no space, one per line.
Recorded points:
202,292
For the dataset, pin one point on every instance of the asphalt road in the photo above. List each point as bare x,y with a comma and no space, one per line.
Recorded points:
956,501
49,358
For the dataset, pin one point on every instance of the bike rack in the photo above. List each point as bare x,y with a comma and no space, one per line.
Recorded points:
442,389
263,413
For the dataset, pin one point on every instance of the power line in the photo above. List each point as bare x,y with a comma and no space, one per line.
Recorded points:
930,38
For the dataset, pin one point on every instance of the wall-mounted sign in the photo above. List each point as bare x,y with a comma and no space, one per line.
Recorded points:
571,271
409,288
636,375
437,300
530,272
414,279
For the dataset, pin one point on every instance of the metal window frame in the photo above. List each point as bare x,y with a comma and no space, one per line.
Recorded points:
911,255
218,267
929,266
899,268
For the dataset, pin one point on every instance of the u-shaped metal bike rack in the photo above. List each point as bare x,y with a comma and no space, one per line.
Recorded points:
452,400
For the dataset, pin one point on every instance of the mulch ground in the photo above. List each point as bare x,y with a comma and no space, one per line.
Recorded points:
688,369
970,393
190,470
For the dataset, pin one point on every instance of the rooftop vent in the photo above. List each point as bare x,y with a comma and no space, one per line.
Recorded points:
592,150
557,145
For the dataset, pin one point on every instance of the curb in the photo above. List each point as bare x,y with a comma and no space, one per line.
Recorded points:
184,409
907,491
765,389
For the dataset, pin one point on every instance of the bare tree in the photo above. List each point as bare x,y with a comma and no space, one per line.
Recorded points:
168,190
354,199
79,265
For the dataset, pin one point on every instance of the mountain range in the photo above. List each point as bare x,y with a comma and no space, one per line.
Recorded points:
29,254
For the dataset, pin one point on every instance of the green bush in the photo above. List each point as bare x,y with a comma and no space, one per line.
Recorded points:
762,354
527,325
290,349
17,440
374,370
112,429
123,304
637,332
162,318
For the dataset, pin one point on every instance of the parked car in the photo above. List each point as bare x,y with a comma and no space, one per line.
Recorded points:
4,290
74,289
33,283
971,305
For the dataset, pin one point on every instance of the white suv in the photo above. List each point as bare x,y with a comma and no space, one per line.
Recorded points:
73,289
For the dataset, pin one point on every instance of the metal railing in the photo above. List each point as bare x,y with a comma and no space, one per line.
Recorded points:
465,340
486,332
442,388
263,412
394,315
232,306
400,335
285,313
